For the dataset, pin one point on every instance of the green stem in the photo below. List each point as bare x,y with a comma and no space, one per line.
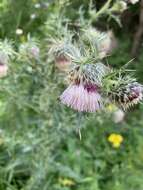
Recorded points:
79,122
102,10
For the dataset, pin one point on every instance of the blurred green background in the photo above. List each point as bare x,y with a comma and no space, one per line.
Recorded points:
40,147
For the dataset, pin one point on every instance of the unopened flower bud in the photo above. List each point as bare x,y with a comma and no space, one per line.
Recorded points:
62,63
19,31
118,116
127,95
3,70
119,6
107,44
34,52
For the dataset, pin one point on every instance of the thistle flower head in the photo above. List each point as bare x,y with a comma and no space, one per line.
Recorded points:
122,89
62,63
133,94
63,51
29,49
108,44
83,98
83,93
34,51
6,52
101,43
127,94
88,73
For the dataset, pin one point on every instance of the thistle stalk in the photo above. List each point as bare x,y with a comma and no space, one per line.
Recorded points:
102,10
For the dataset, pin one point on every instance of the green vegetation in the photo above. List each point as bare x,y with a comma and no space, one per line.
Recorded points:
43,144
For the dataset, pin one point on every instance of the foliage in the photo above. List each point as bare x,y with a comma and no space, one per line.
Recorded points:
45,145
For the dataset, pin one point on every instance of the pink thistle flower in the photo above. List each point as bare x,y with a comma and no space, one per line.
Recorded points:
82,98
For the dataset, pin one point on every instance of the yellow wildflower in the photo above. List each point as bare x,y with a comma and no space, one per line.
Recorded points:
66,182
115,139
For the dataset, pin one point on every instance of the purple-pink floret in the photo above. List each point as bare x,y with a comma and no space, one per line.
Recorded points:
82,98
91,87
136,93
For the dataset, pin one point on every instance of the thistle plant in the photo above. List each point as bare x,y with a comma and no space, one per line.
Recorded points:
83,92
100,43
110,9
61,49
38,142
96,77
29,49
89,79
6,51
